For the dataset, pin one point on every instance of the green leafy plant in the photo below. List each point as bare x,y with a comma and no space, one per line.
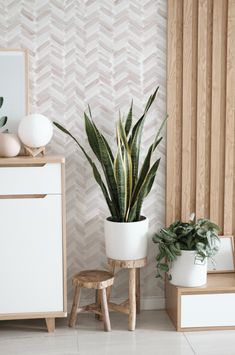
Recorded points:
201,236
3,120
123,183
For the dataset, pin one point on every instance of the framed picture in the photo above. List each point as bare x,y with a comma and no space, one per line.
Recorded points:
14,85
224,260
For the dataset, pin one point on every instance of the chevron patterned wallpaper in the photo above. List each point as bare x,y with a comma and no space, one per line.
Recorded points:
101,52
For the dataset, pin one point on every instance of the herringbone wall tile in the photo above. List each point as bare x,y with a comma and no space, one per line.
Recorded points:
101,52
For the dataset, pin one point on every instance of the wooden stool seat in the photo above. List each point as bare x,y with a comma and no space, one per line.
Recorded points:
98,280
132,305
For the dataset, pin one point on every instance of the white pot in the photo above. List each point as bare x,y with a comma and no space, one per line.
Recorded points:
188,271
126,240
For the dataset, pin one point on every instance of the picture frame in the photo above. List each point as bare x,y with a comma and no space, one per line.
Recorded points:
224,260
14,87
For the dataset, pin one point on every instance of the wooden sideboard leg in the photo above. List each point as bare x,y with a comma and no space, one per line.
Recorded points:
132,299
138,290
50,323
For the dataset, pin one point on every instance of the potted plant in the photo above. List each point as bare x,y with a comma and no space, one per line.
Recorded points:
123,183
183,249
9,142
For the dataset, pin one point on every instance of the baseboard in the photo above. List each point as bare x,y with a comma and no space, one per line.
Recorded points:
147,303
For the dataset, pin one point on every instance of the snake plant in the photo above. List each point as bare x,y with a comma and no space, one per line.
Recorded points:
123,182
201,236
3,120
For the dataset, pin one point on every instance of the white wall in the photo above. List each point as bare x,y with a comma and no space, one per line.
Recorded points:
101,52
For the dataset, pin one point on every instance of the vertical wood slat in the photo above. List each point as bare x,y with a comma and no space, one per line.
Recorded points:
229,211
189,107
206,96
203,107
174,109
218,110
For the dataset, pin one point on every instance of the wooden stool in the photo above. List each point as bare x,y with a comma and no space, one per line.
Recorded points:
99,280
132,304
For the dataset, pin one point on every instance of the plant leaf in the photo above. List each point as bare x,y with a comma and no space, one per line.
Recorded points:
129,120
96,173
3,121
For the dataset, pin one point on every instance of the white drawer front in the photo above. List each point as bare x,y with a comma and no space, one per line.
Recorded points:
30,180
208,310
31,262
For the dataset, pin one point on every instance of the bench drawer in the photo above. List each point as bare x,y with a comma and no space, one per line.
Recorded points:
208,310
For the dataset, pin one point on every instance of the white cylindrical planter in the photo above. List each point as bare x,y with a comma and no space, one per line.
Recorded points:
126,240
187,271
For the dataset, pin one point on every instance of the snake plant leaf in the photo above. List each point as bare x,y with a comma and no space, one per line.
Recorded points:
3,121
135,139
104,139
107,166
1,101
128,165
129,120
92,137
145,168
121,181
102,153
96,173
146,186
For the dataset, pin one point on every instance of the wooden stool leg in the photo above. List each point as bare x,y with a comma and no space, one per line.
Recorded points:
73,314
105,311
50,323
98,302
138,290
132,299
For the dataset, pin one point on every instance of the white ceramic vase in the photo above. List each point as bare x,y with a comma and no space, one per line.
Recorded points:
188,271
9,145
35,130
126,240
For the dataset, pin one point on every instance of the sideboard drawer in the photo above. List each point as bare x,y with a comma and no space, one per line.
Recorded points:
24,180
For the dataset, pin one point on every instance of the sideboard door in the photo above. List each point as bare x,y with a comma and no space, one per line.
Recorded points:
31,260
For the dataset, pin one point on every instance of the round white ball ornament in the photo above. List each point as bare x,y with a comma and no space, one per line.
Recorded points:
35,130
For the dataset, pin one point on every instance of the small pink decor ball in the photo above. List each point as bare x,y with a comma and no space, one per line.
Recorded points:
9,145
35,130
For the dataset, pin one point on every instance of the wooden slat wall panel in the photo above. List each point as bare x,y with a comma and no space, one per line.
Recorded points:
229,195
189,105
202,145
203,107
174,104
218,110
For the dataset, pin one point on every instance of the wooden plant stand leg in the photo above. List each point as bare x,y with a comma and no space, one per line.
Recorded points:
50,323
132,299
73,314
105,311
138,290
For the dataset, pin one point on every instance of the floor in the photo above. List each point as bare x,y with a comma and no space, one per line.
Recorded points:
154,335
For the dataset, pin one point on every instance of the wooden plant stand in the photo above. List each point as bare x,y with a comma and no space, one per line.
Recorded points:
98,280
132,305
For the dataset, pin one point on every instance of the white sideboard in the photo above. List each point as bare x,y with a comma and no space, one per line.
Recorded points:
32,239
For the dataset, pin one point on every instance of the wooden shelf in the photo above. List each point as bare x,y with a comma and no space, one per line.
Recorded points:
26,160
215,282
